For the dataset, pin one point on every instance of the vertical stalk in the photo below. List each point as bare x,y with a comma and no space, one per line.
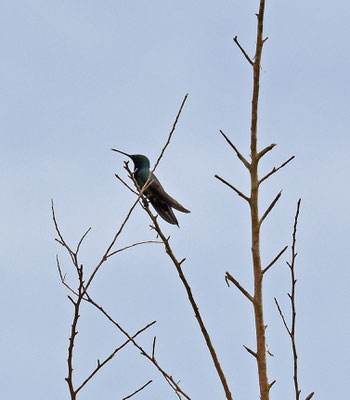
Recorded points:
255,222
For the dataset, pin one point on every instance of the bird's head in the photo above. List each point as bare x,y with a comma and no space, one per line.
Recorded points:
140,161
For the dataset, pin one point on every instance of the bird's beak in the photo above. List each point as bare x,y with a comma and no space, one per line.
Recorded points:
125,154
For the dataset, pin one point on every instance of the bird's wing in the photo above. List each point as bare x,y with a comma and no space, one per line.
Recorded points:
164,211
158,190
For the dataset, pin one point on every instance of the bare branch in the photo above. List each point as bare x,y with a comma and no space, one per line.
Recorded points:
171,133
292,300
233,188
250,351
310,396
265,150
81,240
239,286
239,155
101,364
274,169
174,385
154,347
132,245
270,208
193,303
61,240
125,184
243,51
274,381
63,278
274,260
104,257
282,316
137,391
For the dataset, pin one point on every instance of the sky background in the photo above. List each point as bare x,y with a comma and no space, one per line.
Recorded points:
79,77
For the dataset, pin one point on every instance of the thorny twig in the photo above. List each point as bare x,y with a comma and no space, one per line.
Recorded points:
291,330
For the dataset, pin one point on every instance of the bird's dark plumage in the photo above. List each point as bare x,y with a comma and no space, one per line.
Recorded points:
160,200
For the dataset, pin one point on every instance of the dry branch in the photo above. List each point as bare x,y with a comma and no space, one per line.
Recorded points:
137,391
243,51
233,188
291,329
274,169
105,361
173,384
193,303
82,294
177,263
239,155
271,206
229,277
266,150
170,134
274,260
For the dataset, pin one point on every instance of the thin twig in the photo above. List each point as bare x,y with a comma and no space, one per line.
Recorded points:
63,277
61,241
101,364
228,277
125,184
154,347
138,390
282,317
274,260
310,396
174,385
266,213
170,134
274,169
132,245
292,300
105,255
291,330
243,51
233,188
250,351
81,240
239,155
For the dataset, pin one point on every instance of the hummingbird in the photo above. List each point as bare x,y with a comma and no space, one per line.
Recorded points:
160,200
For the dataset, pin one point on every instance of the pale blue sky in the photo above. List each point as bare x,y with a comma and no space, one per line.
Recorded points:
79,77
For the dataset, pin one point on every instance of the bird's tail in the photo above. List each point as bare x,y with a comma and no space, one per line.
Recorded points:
165,212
